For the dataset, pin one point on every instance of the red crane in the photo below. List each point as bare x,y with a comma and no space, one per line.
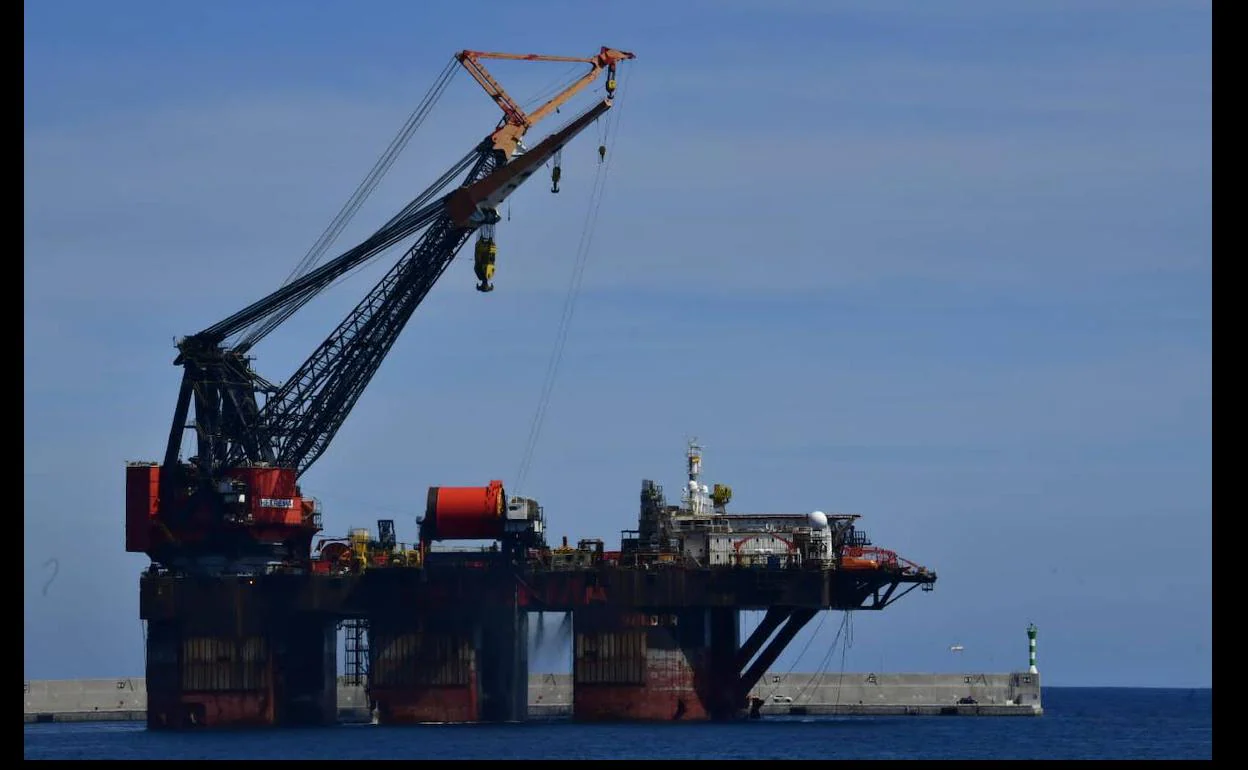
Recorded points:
236,504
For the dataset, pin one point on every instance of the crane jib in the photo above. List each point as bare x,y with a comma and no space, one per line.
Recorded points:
467,204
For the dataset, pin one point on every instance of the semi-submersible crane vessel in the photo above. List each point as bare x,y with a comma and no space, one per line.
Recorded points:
242,612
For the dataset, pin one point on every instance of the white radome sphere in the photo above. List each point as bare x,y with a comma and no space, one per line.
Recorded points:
819,520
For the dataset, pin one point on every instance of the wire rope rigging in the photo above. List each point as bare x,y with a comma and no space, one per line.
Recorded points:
580,260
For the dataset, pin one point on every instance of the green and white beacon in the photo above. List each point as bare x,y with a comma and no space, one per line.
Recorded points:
1031,649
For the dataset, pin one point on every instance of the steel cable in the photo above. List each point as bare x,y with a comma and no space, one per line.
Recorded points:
353,204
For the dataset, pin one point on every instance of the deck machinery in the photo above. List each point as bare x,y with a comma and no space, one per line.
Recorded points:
241,610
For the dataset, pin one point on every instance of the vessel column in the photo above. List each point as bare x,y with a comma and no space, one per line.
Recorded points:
228,652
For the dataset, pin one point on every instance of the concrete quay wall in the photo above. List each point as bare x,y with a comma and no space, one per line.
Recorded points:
868,692
550,696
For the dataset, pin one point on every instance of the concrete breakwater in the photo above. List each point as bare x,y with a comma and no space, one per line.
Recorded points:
550,696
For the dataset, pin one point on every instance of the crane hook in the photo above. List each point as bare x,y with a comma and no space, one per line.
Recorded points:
602,152
483,261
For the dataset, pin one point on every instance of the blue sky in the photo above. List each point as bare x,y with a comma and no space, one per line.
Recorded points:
944,265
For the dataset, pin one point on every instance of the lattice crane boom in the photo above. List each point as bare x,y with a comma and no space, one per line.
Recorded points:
253,438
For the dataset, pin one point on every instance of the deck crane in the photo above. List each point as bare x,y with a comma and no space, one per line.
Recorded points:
236,504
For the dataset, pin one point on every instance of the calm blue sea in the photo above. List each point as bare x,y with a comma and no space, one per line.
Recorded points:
1078,723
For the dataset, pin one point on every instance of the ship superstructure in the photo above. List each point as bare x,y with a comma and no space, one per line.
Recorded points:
700,532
